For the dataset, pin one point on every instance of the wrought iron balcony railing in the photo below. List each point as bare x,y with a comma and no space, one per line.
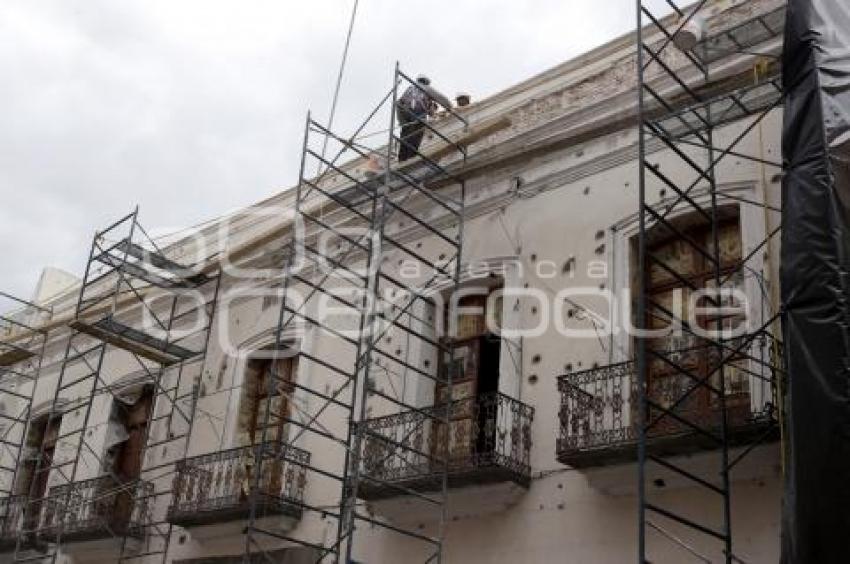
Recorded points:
95,509
11,520
214,488
598,414
488,441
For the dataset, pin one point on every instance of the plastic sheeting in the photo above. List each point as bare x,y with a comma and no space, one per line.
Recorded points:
815,283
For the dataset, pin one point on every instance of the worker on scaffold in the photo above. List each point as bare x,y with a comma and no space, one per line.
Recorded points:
417,104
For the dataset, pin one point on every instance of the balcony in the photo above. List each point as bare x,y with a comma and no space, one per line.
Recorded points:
488,442
11,520
213,488
599,410
19,519
96,509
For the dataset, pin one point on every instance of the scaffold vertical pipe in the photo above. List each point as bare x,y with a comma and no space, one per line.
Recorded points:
356,216
681,106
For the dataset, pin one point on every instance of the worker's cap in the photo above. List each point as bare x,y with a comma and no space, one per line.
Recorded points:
422,79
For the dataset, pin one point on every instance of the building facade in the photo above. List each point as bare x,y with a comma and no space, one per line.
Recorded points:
132,435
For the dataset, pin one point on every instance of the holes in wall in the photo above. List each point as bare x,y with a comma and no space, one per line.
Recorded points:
536,359
268,301
516,183
532,379
221,372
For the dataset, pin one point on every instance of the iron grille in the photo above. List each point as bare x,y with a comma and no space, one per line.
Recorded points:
599,406
96,508
491,431
220,482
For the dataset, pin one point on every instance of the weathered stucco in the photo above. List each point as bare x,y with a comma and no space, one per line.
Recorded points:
551,205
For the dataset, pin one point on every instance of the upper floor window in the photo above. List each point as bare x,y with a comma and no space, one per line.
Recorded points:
127,434
472,362
33,477
267,387
41,443
676,268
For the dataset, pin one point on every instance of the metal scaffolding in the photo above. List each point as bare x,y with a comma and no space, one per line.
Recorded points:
22,347
357,250
135,303
683,102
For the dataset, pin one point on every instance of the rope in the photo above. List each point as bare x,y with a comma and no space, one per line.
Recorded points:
339,79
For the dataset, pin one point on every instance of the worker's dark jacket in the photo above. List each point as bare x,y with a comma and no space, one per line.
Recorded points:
416,101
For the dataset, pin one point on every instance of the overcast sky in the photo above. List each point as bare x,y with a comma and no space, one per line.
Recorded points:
192,108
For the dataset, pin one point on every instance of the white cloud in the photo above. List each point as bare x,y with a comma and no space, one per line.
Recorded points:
193,107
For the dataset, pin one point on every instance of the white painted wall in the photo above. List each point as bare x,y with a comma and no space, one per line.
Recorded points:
575,207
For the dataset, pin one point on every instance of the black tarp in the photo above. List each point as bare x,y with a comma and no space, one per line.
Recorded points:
815,270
